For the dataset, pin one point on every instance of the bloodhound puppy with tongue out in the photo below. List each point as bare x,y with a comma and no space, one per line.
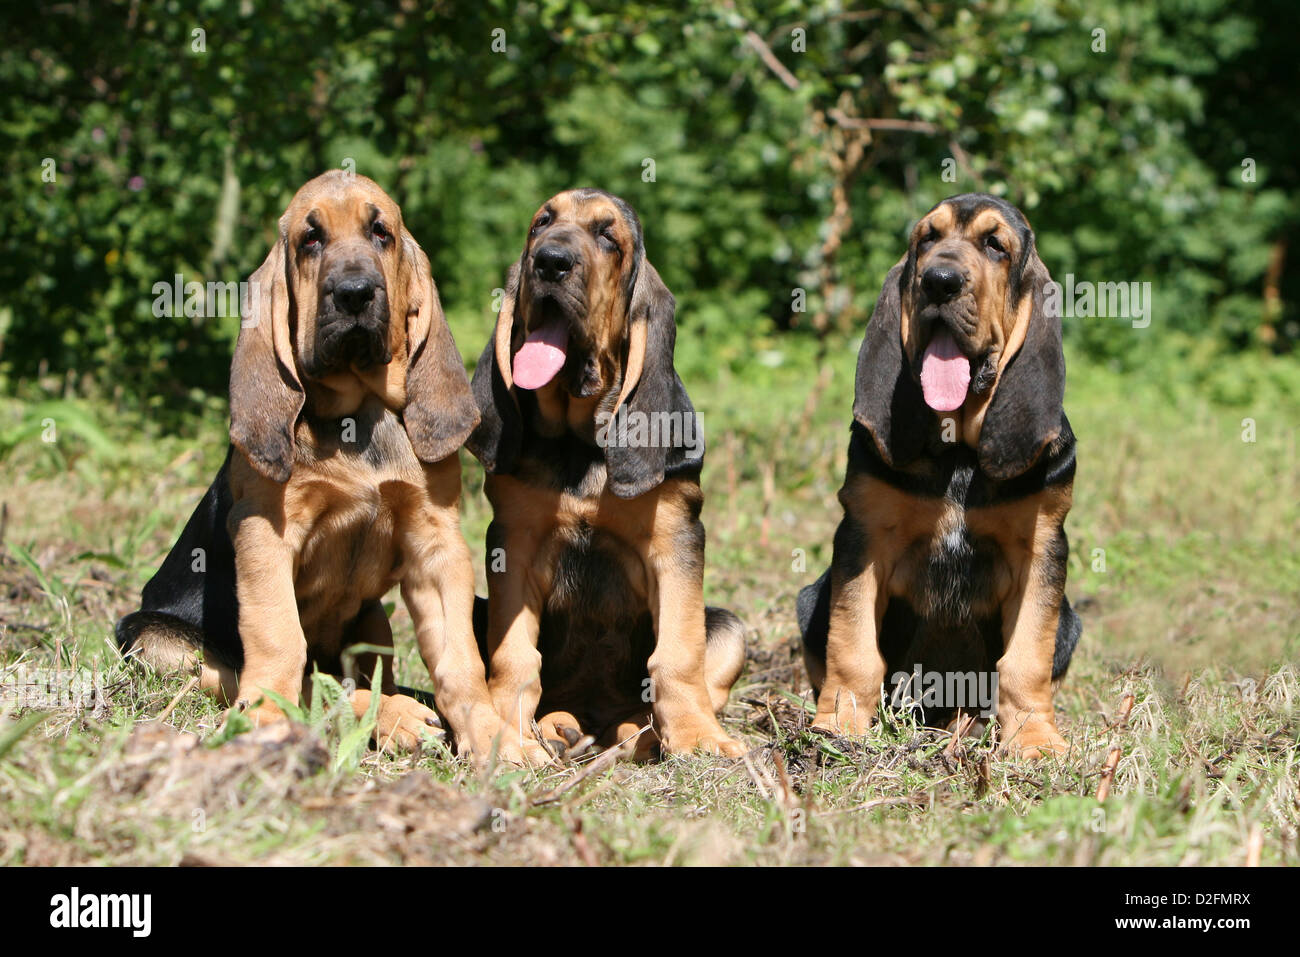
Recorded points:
595,624
950,560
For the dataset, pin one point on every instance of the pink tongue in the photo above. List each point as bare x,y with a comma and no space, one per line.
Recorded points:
945,373
542,355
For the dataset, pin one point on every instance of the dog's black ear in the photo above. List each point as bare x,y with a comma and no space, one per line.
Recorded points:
886,398
266,395
440,411
1024,415
495,442
654,432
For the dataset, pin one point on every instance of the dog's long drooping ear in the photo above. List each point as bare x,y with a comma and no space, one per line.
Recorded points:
495,442
886,399
654,397
266,395
1024,415
440,411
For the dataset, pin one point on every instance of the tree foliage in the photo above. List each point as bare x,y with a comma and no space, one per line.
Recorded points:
778,153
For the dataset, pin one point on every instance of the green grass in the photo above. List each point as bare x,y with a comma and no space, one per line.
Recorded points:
1196,615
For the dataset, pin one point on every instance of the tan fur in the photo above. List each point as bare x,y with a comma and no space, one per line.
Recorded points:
346,524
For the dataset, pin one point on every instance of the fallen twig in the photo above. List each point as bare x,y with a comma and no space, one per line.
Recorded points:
598,766
1125,709
1108,774
189,686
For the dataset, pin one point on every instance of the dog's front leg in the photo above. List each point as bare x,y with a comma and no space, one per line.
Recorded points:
1030,615
673,538
855,668
438,588
514,627
275,649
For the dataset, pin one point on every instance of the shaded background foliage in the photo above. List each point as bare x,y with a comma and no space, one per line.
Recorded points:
775,168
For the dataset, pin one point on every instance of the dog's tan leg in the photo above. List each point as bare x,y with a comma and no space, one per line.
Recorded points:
855,667
438,588
1033,579
514,626
275,649
684,710
1026,720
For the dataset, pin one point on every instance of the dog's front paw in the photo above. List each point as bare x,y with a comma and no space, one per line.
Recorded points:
483,733
688,737
1029,738
1031,745
403,722
260,711
522,750
848,720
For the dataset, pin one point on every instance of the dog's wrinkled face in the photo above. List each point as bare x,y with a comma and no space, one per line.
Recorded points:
963,291
575,285
343,237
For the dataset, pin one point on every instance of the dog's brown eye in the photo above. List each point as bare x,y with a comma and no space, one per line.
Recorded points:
607,240
930,238
380,232
542,220
313,240
994,245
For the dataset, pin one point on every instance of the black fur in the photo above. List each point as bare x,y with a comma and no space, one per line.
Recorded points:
201,607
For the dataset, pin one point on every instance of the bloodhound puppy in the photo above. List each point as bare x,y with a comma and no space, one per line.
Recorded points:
595,619
951,556
348,402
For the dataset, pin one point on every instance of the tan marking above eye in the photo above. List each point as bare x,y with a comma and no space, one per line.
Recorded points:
986,222
942,219
927,232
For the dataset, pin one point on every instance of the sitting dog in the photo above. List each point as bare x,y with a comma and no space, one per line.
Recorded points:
951,556
348,403
595,617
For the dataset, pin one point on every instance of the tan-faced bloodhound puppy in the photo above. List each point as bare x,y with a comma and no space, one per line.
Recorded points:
951,556
348,402
595,620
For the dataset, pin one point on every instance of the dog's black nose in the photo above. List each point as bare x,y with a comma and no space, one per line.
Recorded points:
942,283
552,263
353,295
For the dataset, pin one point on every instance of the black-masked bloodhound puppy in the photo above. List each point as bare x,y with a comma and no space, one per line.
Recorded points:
595,620
951,556
348,403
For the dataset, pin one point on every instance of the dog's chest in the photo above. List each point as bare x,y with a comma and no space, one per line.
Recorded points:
952,567
593,572
353,481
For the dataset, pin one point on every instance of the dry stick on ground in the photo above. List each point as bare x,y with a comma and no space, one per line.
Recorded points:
166,712
963,725
601,764
912,800
1108,774
786,789
1121,718
767,468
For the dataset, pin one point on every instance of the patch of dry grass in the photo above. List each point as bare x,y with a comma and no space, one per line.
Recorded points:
1196,615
